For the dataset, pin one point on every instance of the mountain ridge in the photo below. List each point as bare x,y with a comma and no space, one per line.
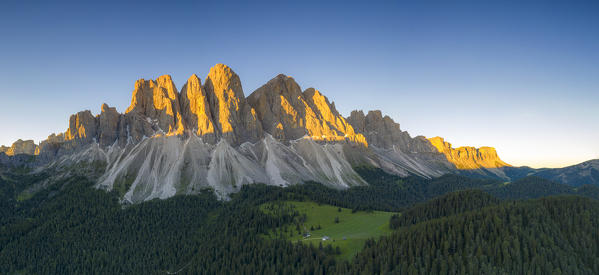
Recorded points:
209,135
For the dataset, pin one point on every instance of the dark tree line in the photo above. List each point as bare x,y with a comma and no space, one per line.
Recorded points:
443,206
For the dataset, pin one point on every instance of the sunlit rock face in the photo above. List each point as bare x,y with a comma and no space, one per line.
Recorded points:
82,128
236,120
468,157
287,113
196,110
157,100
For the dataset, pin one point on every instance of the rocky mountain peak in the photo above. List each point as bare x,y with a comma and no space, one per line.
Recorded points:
236,120
157,100
287,113
224,82
280,107
82,126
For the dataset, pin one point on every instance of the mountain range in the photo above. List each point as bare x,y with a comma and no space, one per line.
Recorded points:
208,135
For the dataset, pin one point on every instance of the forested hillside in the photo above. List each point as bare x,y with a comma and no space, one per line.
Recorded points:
72,228
547,236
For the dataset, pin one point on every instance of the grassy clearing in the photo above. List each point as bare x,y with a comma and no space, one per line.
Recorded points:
349,234
23,196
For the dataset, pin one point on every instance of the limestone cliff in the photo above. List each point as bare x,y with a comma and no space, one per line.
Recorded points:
383,132
157,100
82,127
287,113
468,157
108,122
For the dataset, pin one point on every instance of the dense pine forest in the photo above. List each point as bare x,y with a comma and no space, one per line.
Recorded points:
555,235
488,227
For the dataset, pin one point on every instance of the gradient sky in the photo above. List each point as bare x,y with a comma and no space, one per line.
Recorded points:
520,76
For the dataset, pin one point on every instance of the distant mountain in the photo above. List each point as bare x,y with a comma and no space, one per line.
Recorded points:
575,175
210,136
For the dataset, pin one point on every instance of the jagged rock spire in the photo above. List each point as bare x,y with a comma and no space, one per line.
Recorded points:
196,110
158,100
235,119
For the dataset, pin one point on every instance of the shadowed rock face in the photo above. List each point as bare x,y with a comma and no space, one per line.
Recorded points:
383,132
108,123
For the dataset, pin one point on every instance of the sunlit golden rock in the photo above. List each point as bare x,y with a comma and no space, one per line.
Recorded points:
281,108
287,113
235,119
158,100
82,126
196,111
468,157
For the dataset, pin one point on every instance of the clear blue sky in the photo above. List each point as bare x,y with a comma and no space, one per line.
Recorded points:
521,76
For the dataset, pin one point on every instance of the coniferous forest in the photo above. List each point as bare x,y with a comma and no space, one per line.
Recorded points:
447,225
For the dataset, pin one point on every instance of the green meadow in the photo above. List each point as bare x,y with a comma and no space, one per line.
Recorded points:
349,232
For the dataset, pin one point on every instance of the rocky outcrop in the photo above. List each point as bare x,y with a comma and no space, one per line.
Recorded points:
280,107
19,147
157,100
82,127
50,147
383,132
288,114
108,123
468,157
326,122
